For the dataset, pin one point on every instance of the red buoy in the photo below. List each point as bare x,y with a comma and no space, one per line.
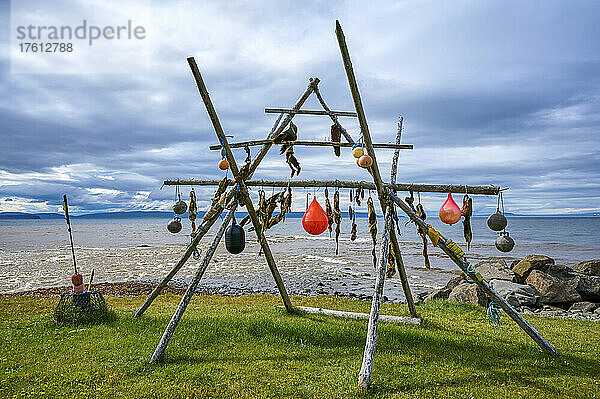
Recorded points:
315,219
450,212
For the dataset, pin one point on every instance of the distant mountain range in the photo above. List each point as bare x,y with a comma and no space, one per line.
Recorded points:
164,215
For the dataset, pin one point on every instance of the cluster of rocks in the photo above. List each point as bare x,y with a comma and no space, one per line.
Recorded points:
534,284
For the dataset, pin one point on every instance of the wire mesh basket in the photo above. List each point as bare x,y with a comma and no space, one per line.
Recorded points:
86,307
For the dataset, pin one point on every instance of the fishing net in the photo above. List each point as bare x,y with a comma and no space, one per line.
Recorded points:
83,308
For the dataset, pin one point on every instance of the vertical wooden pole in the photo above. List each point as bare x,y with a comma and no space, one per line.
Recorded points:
242,187
398,255
200,232
364,376
187,297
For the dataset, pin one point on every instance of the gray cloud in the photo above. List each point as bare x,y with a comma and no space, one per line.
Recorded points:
497,93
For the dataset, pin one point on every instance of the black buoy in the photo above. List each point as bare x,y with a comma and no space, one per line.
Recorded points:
174,226
180,207
497,221
505,243
235,238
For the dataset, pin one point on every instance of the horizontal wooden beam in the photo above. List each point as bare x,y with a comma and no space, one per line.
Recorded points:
422,188
310,143
360,316
308,112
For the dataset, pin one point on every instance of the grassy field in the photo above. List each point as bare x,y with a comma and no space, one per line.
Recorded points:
247,347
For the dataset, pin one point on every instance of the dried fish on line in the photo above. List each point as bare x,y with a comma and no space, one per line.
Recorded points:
391,262
337,218
336,137
292,161
467,212
328,211
289,134
372,227
420,211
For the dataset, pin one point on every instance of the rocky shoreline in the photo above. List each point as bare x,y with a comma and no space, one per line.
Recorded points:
533,285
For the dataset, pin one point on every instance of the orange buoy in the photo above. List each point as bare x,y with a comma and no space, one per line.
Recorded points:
223,164
365,161
358,152
315,219
450,212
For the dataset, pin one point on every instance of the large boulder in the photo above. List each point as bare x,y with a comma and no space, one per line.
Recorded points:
583,307
589,267
531,262
435,295
495,270
587,286
469,293
552,289
516,295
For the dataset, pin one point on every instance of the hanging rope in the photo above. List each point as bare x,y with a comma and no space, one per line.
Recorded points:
493,314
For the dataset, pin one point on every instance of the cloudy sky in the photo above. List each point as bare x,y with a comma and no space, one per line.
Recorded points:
493,92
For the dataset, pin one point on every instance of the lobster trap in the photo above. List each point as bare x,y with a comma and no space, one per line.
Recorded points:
83,308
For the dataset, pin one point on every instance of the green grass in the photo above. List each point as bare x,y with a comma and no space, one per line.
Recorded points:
247,347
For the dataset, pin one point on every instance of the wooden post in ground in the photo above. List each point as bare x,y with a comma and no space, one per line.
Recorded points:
187,297
457,256
242,187
364,376
398,255
200,232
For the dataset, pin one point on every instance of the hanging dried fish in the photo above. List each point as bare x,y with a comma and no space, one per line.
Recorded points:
336,137
353,231
290,134
411,201
275,220
391,262
467,212
292,161
337,218
307,200
286,204
350,212
221,188
357,196
328,211
245,169
372,228
362,193
351,200
420,211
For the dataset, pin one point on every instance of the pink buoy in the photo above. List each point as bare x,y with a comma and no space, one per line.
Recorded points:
78,289
450,212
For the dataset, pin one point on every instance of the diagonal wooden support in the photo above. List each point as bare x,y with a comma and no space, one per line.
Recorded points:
365,374
241,186
457,256
187,297
200,232
313,83
397,254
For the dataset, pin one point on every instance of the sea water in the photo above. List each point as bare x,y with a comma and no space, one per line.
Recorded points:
36,254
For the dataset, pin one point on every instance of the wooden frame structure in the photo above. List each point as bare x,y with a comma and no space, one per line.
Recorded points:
387,198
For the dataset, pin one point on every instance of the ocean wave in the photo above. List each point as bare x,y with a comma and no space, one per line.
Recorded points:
327,259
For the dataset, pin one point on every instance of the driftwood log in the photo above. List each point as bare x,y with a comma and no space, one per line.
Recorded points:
251,143
423,188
